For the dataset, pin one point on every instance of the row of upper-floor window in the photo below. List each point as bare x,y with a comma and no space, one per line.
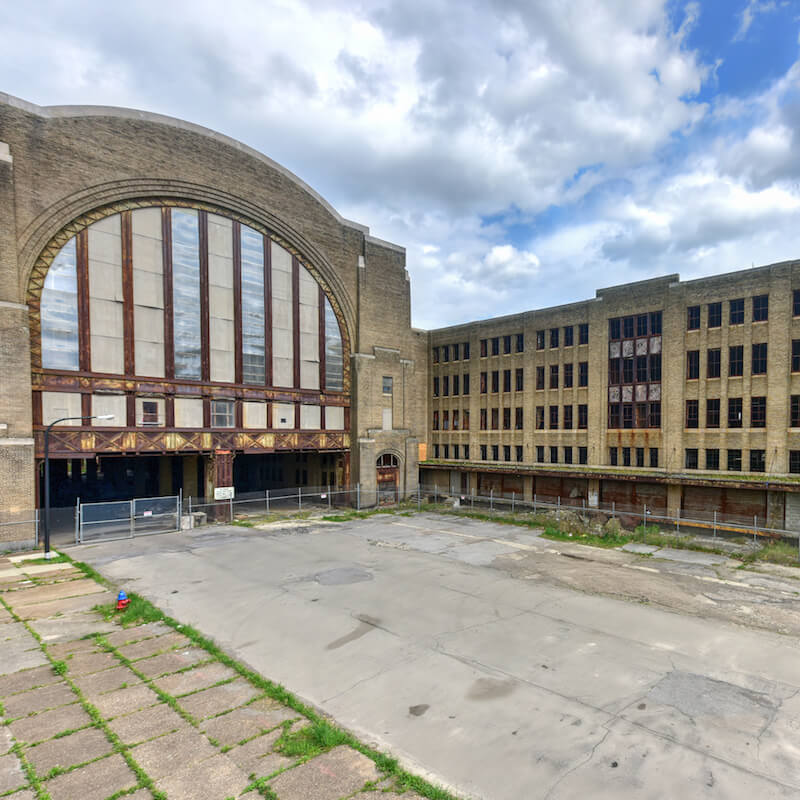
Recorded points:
560,417
568,340
758,361
635,326
634,415
633,456
454,385
451,352
568,375
757,459
509,452
636,369
567,454
736,311
735,415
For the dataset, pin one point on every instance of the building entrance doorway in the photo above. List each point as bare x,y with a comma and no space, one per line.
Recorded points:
388,479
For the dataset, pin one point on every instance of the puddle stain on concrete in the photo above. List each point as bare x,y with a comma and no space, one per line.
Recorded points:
490,689
365,625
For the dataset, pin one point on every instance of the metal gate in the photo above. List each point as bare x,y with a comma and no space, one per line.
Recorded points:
124,519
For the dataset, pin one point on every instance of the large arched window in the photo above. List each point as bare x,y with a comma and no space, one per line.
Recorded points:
186,294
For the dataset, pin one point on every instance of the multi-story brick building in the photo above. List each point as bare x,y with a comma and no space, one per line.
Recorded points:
677,395
239,332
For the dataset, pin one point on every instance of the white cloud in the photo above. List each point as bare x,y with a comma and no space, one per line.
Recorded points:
748,15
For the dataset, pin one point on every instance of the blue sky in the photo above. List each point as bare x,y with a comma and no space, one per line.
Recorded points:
524,153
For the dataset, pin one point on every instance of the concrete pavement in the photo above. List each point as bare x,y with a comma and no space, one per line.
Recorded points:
460,646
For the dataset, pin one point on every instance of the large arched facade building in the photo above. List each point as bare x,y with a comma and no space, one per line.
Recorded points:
236,328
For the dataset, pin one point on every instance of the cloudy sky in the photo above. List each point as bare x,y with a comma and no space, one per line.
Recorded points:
525,153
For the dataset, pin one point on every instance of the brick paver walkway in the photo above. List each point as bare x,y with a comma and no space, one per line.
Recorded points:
92,711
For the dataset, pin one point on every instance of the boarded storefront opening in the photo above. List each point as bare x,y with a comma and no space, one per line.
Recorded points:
731,505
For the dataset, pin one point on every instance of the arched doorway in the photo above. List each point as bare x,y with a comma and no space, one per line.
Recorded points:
388,478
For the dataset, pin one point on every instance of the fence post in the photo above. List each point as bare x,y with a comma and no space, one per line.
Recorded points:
644,517
358,497
180,507
329,497
77,520
613,509
679,520
36,526
491,499
230,505
419,497
266,499
558,507
534,502
299,498
755,523
190,505
513,494
715,524
133,518
435,493
472,500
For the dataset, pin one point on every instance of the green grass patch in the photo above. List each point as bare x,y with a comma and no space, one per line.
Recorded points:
137,612
59,667
783,553
347,516
310,741
59,559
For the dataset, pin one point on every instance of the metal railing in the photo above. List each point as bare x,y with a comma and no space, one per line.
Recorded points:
19,529
124,519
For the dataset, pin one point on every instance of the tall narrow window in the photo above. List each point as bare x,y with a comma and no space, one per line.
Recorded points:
253,361
59,311
334,358
186,292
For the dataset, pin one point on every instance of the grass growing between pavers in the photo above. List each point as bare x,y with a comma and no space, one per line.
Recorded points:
117,746
323,735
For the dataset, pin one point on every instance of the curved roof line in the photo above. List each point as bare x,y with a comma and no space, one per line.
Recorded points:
55,112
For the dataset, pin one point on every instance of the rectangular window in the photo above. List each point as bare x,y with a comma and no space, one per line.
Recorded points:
736,361
387,384
484,349
640,456
540,377
641,369
495,452
483,382
758,461
186,302
583,373
714,315
795,355
641,415
496,348
641,325
692,318
446,353
614,415
554,376
495,419
654,457
519,379
736,312
794,461
583,416
614,329
519,453
627,415
690,461
655,368
495,381
455,451
627,370
456,353
612,456
712,412
692,364
518,418
465,383
446,453
539,418
796,303
655,415
655,322
614,371
222,413
506,348
734,412
435,355
568,418
465,350
150,412
569,336
436,420
435,452
712,459
761,308
540,340
435,387
794,411
583,333
734,460
713,362
466,452
446,386
567,455
465,422
758,412
627,328
520,342
506,380
692,414
540,454
626,456
583,455
553,417
455,385
455,419
483,419
554,337
759,364
567,376
506,419
445,420
506,452
554,455
483,452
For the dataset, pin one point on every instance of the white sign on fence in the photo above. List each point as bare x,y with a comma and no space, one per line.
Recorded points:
224,493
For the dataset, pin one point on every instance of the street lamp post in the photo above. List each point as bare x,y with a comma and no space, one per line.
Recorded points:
47,473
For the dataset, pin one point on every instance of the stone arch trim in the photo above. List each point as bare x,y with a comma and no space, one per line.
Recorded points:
392,452
308,255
